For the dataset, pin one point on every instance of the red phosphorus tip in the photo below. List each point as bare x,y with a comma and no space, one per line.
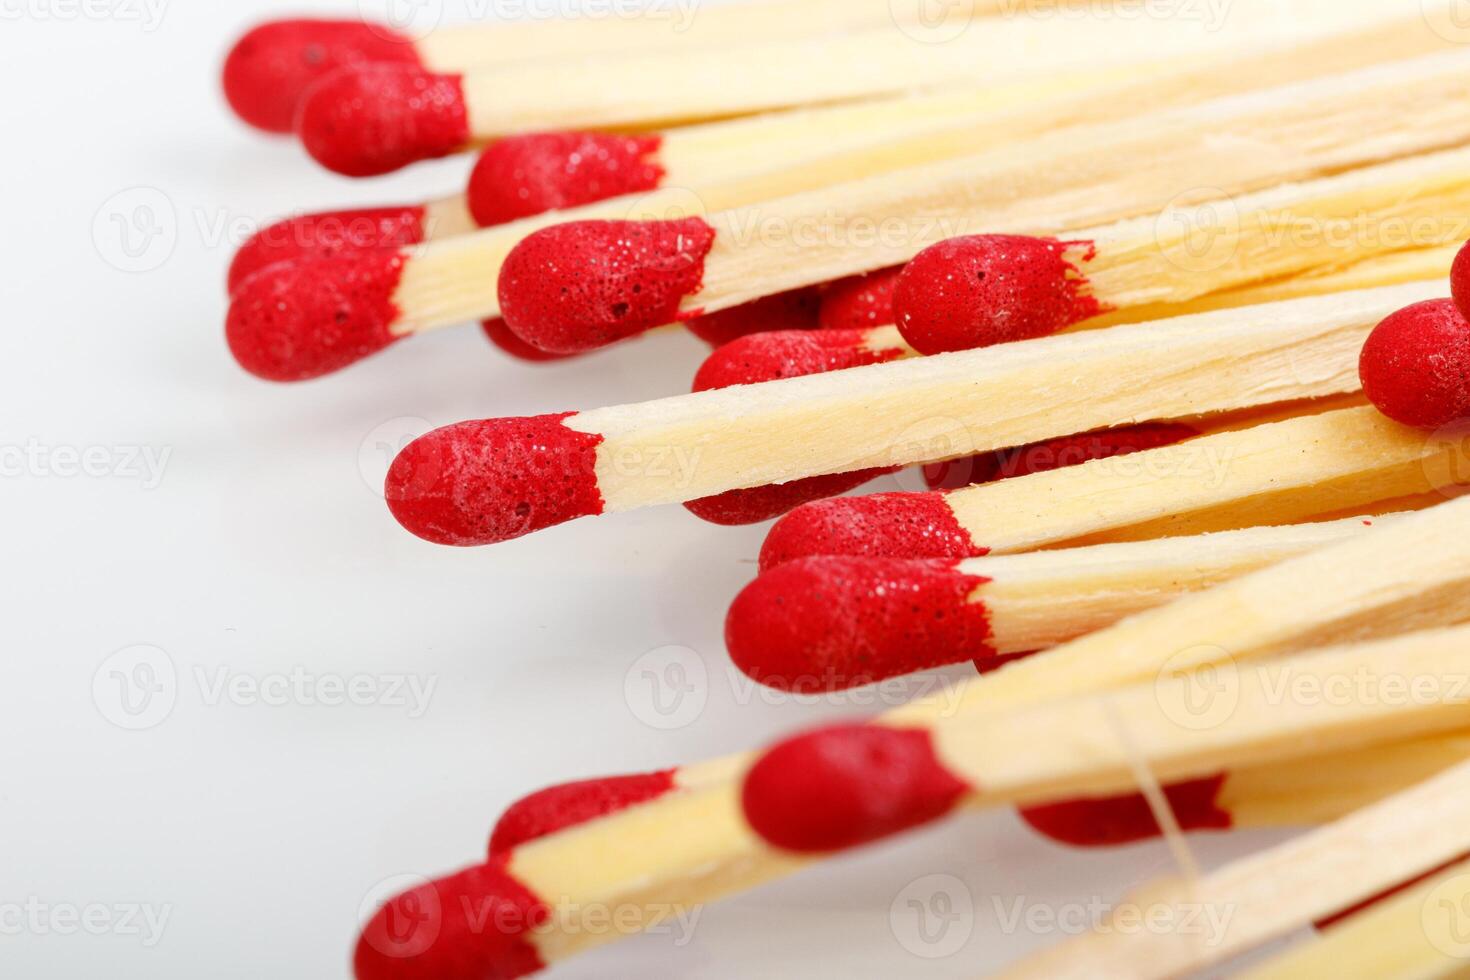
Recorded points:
570,804
860,301
501,336
1460,280
297,320
271,67
990,289
1112,821
846,786
1415,366
481,482
320,236
519,176
470,926
1055,454
792,310
880,525
829,624
769,357
377,118
585,284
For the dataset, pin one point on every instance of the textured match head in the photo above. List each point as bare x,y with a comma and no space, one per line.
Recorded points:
795,309
755,505
570,804
991,289
1415,366
786,354
1460,280
502,337
830,624
1112,821
487,481
519,176
846,786
860,301
269,69
469,926
298,320
881,525
585,284
376,119
328,234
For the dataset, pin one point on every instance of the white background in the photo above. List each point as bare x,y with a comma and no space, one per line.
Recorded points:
261,829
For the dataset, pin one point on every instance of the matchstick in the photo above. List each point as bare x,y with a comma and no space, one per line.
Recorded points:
849,785
1275,473
645,274
270,67
680,849
724,167
1277,891
829,624
375,118
487,481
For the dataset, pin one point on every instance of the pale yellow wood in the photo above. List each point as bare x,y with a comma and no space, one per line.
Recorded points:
1038,600
660,88
1274,473
723,166
1271,894
448,218
917,410
1418,935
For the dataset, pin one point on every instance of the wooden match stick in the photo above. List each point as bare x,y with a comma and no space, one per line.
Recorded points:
651,273
685,848
1275,473
486,481
270,67
849,785
379,117
1285,888
828,624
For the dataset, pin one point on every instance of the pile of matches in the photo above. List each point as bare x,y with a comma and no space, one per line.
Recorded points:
1100,235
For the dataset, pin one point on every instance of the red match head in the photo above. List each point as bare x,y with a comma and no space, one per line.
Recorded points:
1111,821
736,508
559,807
990,289
860,301
1460,280
786,354
501,336
586,284
881,525
1415,366
269,69
297,320
1054,454
377,118
830,624
469,926
477,483
846,786
519,176
324,235
792,310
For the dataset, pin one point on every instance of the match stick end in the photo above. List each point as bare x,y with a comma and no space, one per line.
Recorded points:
832,624
520,176
559,807
1415,366
779,354
269,69
293,321
373,119
325,235
482,482
585,284
881,525
846,786
467,926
